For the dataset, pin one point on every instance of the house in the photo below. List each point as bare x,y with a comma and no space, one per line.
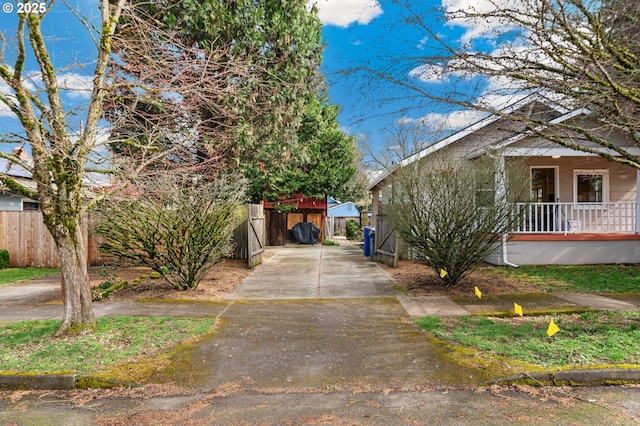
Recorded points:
337,216
22,230
348,210
282,215
332,202
10,201
584,208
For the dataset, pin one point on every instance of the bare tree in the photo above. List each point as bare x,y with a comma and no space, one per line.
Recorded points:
147,111
580,53
59,156
402,139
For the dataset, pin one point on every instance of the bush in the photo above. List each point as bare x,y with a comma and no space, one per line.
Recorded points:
451,213
4,259
178,226
353,229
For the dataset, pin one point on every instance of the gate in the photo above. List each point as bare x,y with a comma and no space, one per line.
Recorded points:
249,235
386,241
255,239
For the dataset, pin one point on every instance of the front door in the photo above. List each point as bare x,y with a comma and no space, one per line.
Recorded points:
543,194
543,185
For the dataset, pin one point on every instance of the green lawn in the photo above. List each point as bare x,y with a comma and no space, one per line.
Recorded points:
590,338
581,278
29,346
14,275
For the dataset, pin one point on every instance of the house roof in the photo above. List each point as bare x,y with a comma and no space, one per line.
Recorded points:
12,169
23,176
346,209
520,104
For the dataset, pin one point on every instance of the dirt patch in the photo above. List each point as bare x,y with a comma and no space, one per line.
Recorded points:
220,281
419,280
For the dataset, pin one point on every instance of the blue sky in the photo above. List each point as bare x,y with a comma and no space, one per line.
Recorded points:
71,48
356,33
379,35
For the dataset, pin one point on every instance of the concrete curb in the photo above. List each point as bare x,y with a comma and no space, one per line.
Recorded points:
38,381
587,377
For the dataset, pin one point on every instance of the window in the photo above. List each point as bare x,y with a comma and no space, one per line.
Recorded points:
486,192
591,186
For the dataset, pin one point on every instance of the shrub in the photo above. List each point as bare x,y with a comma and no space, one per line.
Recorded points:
353,229
451,213
4,259
178,226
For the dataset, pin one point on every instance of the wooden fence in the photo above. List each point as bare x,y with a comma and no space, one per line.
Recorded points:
249,236
30,244
335,226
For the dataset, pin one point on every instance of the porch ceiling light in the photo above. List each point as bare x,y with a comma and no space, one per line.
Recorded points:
555,157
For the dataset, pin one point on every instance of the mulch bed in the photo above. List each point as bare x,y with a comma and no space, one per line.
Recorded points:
419,280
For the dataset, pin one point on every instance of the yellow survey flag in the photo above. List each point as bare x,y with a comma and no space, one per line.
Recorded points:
518,309
443,273
478,292
553,329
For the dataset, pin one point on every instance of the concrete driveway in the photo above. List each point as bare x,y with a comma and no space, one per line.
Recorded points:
315,318
309,272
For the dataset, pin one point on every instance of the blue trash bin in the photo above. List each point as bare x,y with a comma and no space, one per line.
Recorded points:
367,243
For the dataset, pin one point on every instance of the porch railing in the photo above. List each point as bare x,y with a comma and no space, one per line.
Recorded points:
574,218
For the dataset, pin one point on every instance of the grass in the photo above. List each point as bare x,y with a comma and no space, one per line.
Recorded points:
14,275
590,338
29,346
580,278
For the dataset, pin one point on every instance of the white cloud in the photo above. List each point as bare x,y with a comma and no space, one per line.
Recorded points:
423,43
444,123
343,13
459,12
429,73
6,90
79,86
440,73
404,120
32,81
5,111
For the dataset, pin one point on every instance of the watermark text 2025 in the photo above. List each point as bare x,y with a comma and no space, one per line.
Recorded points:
25,8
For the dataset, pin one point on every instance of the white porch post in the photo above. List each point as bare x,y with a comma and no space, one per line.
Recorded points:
501,182
638,202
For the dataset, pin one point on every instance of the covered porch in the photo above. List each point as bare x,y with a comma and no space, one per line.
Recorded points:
576,193
584,210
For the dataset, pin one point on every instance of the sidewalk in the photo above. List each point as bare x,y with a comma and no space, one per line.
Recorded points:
502,304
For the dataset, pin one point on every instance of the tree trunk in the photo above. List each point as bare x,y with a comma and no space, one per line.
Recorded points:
78,313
